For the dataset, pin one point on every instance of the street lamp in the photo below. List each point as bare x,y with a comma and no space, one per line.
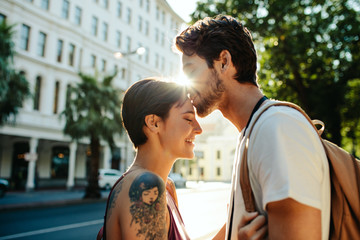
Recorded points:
139,51
119,55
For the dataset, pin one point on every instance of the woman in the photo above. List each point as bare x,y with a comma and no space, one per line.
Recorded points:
160,121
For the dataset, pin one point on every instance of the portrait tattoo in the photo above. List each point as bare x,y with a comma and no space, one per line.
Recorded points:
113,197
148,206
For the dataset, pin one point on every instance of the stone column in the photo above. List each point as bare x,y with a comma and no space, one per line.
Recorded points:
72,158
31,157
107,157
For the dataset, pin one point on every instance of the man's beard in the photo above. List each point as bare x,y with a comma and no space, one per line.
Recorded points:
207,101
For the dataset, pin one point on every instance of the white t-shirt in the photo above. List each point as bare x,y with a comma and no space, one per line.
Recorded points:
286,160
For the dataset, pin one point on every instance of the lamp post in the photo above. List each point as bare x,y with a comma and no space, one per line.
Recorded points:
119,55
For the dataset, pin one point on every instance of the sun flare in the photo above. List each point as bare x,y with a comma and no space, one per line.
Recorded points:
182,79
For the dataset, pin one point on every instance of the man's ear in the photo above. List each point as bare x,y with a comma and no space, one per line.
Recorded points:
224,60
152,122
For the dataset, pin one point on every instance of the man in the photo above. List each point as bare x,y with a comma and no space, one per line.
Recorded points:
288,168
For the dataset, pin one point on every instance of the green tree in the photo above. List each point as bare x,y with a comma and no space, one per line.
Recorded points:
308,51
14,88
93,111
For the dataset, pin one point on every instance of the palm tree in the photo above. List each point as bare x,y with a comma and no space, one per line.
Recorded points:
14,88
93,111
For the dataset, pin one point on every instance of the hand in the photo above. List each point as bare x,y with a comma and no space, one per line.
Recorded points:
252,226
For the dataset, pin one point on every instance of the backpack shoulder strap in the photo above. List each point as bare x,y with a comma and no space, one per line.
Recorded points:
247,192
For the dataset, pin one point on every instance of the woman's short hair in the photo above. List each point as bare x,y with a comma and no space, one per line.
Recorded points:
209,36
145,97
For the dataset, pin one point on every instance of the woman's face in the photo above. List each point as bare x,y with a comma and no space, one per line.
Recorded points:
178,132
149,196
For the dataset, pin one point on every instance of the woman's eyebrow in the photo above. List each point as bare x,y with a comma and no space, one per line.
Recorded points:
190,111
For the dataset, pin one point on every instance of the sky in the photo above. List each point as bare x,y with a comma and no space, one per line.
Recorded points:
183,7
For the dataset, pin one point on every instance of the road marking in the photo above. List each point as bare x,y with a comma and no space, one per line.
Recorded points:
53,229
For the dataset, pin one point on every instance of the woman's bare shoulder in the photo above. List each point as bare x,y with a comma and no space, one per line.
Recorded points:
138,204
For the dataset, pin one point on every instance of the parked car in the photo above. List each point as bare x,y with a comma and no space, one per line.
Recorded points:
4,186
179,181
108,177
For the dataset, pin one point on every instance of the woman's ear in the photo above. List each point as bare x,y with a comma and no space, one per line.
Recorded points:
152,122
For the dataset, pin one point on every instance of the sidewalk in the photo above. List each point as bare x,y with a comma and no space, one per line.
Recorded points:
53,197
45,198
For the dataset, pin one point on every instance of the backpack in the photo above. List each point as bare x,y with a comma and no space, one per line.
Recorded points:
344,177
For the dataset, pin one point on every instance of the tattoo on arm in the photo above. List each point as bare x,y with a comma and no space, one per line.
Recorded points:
148,206
112,201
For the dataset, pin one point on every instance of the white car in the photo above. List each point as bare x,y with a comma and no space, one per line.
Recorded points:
179,181
108,177
4,186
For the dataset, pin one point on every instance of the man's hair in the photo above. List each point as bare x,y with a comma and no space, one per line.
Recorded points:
209,36
145,97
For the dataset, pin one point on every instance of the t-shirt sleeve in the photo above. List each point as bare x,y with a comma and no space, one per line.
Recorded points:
285,158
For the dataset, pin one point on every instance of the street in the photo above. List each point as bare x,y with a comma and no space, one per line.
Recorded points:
203,210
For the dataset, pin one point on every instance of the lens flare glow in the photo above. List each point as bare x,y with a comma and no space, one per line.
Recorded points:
182,79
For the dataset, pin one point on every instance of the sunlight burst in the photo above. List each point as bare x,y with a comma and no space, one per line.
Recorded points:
182,79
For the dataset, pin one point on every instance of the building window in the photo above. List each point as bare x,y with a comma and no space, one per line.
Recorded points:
45,4
68,94
105,4
147,53
25,35
218,171
162,64
56,97
103,65
156,60
105,31
218,154
65,9
2,18
94,25
163,16
123,73
118,39
37,93
93,61
128,44
60,45
157,13
156,35
41,44
148,5
71,54
60,162
119,9
140,55
128,17
162,39
147,28
140,24
78,13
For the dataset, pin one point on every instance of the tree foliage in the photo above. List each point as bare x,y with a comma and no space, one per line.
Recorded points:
93,111
309,52
14,88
